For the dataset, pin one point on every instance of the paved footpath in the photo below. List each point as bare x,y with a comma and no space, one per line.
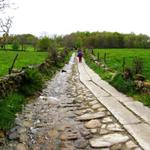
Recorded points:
79,111
132,115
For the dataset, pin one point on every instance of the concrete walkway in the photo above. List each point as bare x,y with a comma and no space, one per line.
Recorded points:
133,115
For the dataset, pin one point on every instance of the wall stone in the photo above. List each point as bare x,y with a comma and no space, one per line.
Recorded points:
13,81
10,83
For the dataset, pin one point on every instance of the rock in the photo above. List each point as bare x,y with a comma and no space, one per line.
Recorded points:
103,126
33,130
130,145
85,133
94,131
21,130
2,135
104,131
27,123
114,127
96,106
107,120
23,138
102,109
68,136
81,143
90,116
53,133
21,147
137,148
92,124
13,136
66,146
108,140
116,147
93,102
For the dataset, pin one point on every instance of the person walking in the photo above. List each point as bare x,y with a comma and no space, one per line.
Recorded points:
80,55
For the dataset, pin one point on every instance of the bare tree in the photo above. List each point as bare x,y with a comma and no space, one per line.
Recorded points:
5,26
4,4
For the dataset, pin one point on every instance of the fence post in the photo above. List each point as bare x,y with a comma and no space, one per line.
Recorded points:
104,58
123,63
10,69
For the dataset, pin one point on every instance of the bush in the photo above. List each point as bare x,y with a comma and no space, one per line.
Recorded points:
137,65
9,106
125,86
15,45
32,82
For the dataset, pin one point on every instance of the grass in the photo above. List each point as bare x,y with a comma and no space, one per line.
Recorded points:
24,59
9,106
27,47
114,58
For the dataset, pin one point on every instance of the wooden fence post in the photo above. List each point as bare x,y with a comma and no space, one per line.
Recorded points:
123,63
10,69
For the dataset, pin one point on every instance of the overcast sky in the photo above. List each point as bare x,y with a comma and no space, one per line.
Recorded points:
66,16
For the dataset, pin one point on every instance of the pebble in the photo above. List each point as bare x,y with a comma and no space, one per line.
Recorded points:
81,143
68,136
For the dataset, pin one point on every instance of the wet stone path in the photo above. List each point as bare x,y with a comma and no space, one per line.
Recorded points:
67,116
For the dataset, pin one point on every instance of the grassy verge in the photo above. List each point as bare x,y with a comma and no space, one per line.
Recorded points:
116,79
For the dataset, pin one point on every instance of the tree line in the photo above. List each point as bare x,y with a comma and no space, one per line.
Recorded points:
78,39
106,40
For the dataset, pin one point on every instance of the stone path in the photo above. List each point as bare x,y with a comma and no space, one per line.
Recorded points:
69,115
132,115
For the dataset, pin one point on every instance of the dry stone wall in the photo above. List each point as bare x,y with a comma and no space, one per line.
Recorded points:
10,83
13,81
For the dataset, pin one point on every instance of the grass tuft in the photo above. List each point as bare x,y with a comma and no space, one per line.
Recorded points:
9,106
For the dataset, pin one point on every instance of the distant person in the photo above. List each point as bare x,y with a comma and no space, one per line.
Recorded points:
80,55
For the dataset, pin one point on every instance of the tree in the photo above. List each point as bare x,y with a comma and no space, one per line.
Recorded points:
4,4
44,43
5,26
15,45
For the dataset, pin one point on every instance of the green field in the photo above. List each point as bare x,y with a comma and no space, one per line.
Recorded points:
114,58
24,59
27,47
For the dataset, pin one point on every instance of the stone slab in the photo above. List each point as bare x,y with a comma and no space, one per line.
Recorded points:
103,84
122,114
141,132
141,110
90,116
123,99
108,140
83,74
97,91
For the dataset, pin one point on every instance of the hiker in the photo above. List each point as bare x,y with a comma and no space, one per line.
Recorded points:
80,54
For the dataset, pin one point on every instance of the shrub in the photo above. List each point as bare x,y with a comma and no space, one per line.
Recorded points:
137,65
32,82
125,86
15,45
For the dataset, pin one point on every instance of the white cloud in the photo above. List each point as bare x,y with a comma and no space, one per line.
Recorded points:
66,16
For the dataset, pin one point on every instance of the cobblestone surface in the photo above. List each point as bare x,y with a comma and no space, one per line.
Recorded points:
67,116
